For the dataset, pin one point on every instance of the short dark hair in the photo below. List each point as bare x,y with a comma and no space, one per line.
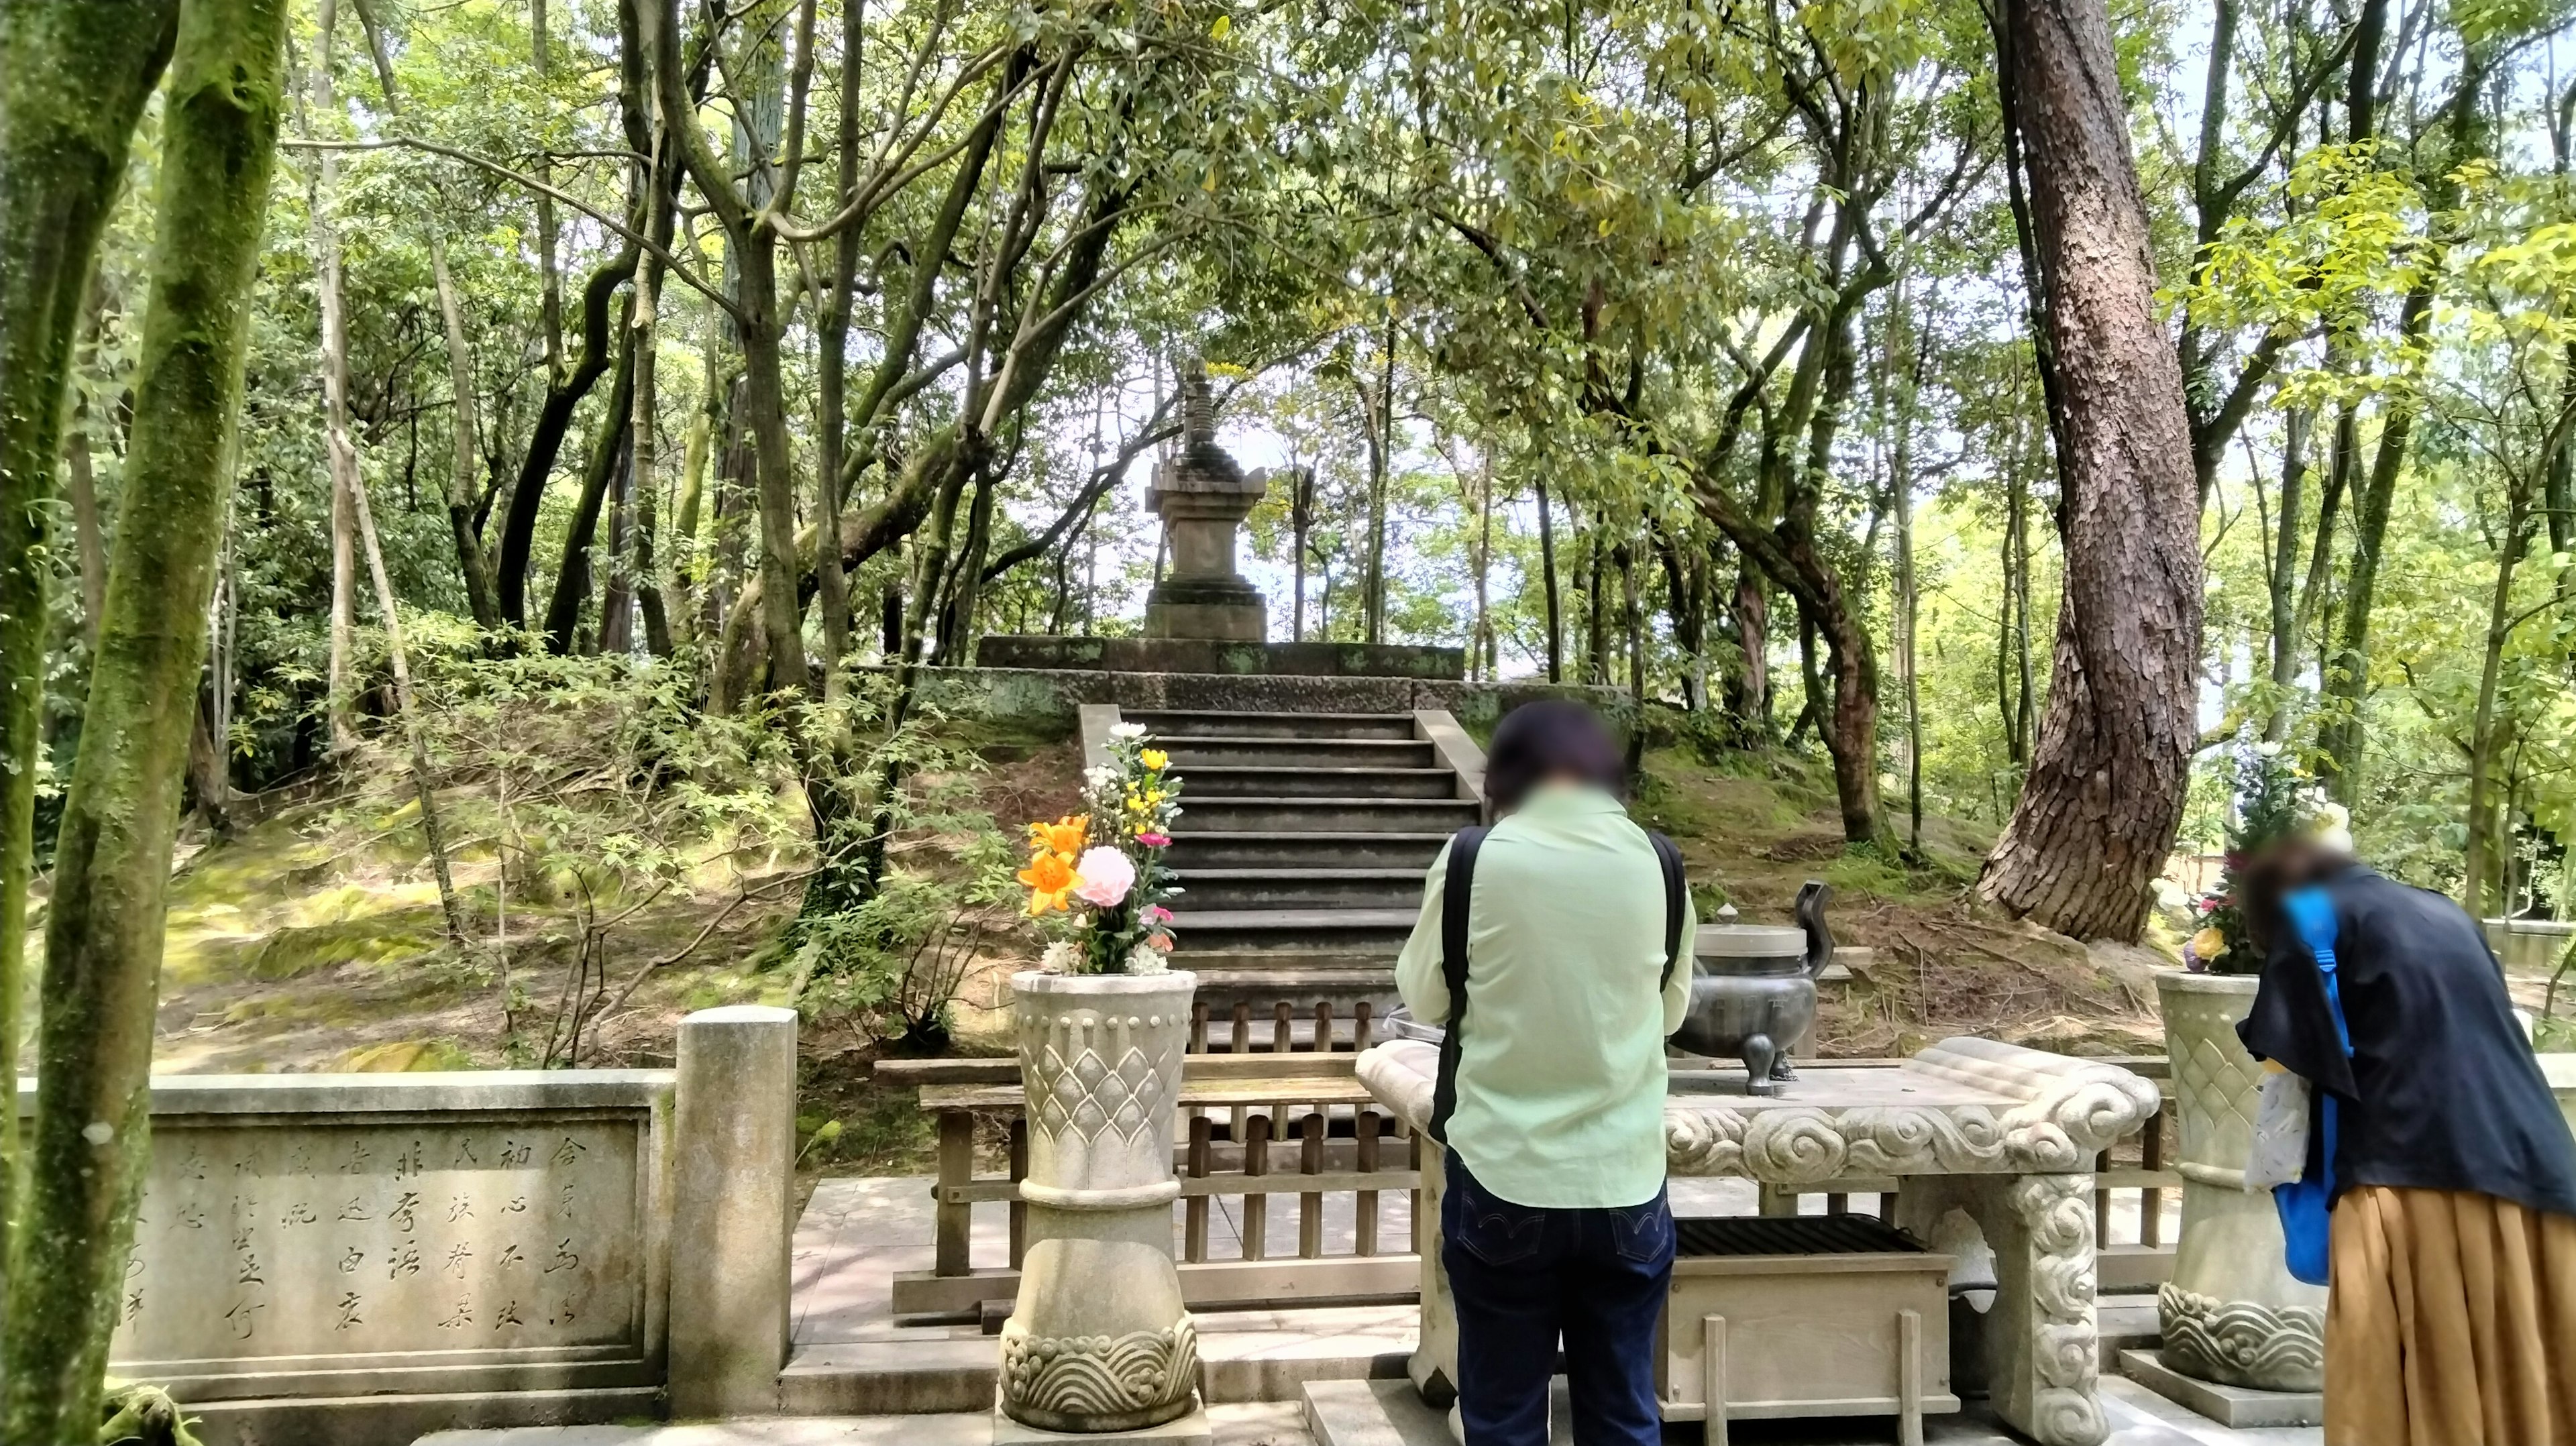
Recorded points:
1549,738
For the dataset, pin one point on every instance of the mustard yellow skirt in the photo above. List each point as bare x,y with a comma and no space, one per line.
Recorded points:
2452,1322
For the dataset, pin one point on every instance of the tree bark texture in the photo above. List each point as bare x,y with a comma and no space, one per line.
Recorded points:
2105,793
103,932
74,76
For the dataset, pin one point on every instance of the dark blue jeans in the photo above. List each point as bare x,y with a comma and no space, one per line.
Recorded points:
1523,1276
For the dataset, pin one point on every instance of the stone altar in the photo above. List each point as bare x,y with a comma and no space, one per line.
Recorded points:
2006,1135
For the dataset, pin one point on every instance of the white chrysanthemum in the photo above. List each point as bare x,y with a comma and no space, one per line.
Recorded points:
1145,959
2267,749
1127,730
1060,958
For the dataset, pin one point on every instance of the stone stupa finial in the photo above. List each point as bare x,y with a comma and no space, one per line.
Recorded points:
1198,406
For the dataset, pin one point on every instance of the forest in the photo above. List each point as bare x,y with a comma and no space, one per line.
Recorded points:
471,391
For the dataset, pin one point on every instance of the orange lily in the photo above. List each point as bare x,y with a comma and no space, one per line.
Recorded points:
1065,836
1049,879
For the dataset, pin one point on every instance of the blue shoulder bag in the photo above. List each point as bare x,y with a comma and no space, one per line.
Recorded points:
2306,1204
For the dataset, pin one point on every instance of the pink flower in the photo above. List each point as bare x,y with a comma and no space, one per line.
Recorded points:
1159,914
1160,943
1106,874
1155,840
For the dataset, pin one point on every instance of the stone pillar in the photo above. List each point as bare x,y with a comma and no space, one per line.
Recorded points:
733,1162
1202,497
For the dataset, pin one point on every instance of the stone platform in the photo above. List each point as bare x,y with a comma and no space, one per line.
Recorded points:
1235,657
2226,1405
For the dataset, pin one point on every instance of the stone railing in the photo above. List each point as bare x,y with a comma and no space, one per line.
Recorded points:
1263,1127
366,1258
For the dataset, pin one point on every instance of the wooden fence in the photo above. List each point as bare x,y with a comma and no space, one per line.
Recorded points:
1270,1117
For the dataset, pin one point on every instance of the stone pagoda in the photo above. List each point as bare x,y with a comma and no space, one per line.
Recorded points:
1204,616
1203,497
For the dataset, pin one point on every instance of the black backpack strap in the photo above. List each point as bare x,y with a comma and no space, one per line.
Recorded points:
1676,895
1457,887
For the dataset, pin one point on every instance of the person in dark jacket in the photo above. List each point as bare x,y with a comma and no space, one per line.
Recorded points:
2452,1314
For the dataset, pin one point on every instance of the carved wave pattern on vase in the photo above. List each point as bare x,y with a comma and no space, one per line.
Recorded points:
1092,1378
2057,1210
2241,1342
2062,1130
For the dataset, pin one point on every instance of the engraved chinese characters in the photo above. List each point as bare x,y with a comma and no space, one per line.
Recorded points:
259,1240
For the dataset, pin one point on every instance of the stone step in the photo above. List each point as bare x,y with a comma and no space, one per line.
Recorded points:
1190,752
1396,888
1275,814
1244,1356
1274,1423
1256,929
1260,980
1234,781
1199,723
1214,848
1305,966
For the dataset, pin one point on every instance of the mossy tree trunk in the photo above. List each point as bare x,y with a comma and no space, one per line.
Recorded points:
73,79
112,865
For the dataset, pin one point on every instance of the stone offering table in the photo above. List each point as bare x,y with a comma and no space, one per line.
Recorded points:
2004,1135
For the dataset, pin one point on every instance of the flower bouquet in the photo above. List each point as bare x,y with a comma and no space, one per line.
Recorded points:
1096,879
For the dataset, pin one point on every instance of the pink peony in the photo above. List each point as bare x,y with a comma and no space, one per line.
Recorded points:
1106,877
1155,840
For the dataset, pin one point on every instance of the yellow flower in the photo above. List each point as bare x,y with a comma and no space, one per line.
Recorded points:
2209,944
1049,878
1065,836
1154,758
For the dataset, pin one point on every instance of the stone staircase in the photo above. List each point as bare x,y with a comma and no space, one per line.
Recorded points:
1301,848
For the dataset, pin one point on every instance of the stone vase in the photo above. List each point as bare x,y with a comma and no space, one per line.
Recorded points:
2232,1313
1098,1339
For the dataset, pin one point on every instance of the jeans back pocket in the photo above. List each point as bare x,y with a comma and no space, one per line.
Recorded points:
1643,1234
1492,1229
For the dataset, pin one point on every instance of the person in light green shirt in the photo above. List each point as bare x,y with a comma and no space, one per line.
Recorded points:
1553,1216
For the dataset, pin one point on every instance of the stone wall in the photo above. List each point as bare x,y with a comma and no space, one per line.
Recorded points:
2529,945
1048,701
361,1259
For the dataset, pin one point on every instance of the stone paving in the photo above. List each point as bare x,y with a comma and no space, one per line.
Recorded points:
855,1233
2138,1418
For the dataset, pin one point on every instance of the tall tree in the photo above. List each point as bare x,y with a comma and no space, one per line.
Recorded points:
340,447
103,932
74,77
2105,792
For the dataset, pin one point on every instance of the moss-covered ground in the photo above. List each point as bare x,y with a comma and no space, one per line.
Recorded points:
312,939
